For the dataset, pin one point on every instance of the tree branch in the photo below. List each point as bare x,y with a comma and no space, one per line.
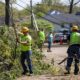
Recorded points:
69,1
76,2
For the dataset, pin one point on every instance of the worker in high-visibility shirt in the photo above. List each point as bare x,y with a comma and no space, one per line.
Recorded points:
73,51
25,41
41,39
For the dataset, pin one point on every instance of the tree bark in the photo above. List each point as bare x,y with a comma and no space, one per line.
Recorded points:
31,14
71,7
7,10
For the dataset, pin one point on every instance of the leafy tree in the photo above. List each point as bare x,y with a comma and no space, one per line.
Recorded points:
2,9
43,24
40,14
41,7
50,2
54,5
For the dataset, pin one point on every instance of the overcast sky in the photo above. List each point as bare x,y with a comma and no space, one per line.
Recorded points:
25,2
21,2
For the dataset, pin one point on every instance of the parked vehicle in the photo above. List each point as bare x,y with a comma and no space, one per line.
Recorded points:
59,37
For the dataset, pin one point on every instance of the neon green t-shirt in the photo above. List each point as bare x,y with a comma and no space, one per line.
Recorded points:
28,39
75,38
41,35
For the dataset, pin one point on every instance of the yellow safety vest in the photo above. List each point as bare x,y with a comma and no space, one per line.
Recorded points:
75,38
28,39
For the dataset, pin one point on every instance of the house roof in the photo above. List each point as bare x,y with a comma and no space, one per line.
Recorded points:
60,18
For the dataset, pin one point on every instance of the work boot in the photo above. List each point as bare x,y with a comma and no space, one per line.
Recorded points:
76,70
68,72
75,73
24,72
49,51
30,74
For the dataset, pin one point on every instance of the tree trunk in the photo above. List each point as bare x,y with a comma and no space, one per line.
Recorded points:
7,15
31,14
71,7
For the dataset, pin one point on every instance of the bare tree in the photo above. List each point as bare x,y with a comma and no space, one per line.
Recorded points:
72,3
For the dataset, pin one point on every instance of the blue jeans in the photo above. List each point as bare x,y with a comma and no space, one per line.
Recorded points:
49,45
25,56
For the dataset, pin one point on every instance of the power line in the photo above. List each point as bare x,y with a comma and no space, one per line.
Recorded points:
76,2
25,2
36,9
41,16
44,13
35,13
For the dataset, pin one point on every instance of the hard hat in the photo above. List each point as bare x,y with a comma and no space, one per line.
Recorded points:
25,29
75,28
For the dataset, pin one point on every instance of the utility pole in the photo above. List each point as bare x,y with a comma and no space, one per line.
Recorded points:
31,13
7,15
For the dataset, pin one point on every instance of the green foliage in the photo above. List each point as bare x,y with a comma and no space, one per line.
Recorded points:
11,74
2,9
39,66
23,13
7,76
41,8
50,2
47,26
7,62
10,68
27,24
55,70
40,14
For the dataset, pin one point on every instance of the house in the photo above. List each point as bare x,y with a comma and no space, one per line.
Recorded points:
62,18
58,19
